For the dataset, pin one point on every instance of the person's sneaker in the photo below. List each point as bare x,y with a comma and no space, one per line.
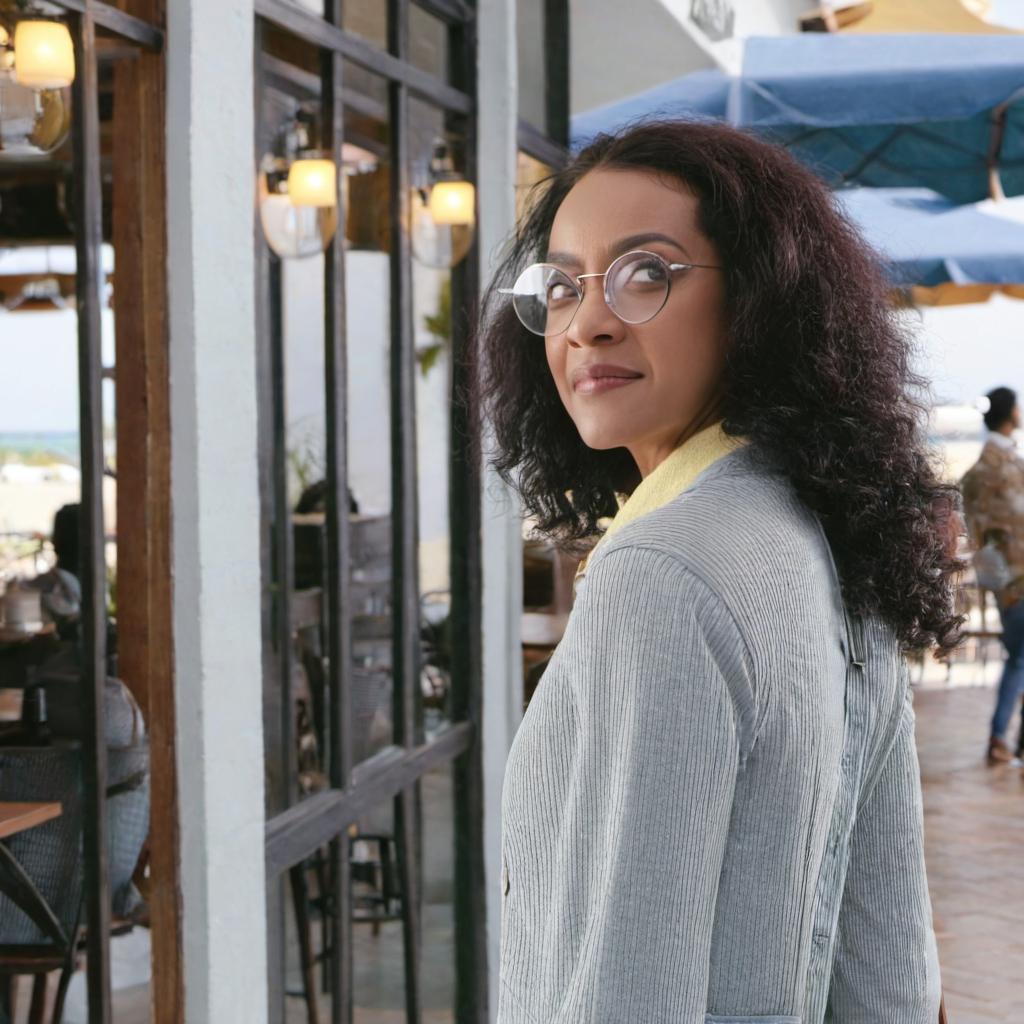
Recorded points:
999,751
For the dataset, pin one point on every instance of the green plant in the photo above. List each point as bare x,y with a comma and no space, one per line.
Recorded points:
439,323
306,462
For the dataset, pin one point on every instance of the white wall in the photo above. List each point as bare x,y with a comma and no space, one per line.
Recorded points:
501,522
619,49
216,561
751,18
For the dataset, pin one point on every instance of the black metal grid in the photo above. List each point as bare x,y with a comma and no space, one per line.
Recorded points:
300,829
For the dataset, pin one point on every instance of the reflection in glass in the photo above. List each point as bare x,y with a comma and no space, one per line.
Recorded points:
32,121
428,42
532,52
378,979
368,19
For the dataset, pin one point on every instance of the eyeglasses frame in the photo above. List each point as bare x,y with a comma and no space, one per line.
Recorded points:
578,278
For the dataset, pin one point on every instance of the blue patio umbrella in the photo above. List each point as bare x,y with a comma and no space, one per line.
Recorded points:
924,239
877,110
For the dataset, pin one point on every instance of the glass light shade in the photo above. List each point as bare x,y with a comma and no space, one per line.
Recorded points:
44,57
294,231
452,202
434,244
313,183
32,122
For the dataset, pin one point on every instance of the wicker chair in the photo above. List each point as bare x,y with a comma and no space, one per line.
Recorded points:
50,855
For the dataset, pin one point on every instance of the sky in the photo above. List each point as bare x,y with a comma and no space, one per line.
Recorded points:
968,350
39,370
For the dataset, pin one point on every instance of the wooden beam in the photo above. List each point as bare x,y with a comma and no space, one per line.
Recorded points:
144,500
118,21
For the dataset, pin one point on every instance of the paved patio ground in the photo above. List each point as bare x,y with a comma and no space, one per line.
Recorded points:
974,834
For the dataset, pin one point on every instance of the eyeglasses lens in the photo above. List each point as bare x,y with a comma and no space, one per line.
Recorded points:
637,286
545,299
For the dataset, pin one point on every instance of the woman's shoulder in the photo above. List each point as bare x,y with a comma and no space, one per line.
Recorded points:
739,522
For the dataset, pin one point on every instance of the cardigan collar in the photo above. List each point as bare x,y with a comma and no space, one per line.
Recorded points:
668,480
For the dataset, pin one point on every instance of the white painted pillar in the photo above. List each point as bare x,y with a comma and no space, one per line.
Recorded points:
210,126
501,516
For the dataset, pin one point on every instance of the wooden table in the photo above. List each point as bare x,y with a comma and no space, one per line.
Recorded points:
14,883
16,817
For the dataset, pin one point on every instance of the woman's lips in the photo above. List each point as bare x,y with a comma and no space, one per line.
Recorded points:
594,385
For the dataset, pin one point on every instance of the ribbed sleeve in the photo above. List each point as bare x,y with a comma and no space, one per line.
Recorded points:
886,966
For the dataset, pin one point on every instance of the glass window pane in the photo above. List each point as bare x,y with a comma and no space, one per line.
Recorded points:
378,965
367,19
368,287
438,883
428,42
432,333
532,67
438,250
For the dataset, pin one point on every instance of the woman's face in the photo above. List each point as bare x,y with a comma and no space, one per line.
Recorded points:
672,364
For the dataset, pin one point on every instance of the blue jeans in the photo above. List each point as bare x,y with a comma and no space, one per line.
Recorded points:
1012,683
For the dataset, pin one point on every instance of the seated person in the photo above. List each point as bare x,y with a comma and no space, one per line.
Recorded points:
60,590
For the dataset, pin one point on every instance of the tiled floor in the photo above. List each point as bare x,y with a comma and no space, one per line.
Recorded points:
974,833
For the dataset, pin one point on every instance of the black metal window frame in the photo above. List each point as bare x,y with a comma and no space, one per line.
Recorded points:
83,19
321,820
550,143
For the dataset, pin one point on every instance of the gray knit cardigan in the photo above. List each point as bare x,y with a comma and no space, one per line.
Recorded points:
711,811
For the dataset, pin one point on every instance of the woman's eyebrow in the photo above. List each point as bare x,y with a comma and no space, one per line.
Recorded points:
632,241
621,246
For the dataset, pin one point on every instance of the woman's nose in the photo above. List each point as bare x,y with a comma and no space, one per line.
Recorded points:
594,322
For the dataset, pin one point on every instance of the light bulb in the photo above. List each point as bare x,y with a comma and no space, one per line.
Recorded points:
452,202
313,183
44,56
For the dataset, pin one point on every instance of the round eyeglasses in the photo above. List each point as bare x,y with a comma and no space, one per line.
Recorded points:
636,287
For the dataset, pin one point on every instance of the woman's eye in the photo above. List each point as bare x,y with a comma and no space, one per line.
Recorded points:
647,273
560,292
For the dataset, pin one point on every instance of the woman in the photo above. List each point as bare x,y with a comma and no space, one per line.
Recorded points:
712,809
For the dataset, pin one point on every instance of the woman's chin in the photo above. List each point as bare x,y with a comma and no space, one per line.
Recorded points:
600,438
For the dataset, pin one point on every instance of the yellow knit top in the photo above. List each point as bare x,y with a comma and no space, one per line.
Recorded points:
669,479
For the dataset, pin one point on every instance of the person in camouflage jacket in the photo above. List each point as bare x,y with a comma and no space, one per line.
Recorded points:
993,493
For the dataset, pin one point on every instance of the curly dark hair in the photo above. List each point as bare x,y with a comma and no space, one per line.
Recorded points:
817,373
